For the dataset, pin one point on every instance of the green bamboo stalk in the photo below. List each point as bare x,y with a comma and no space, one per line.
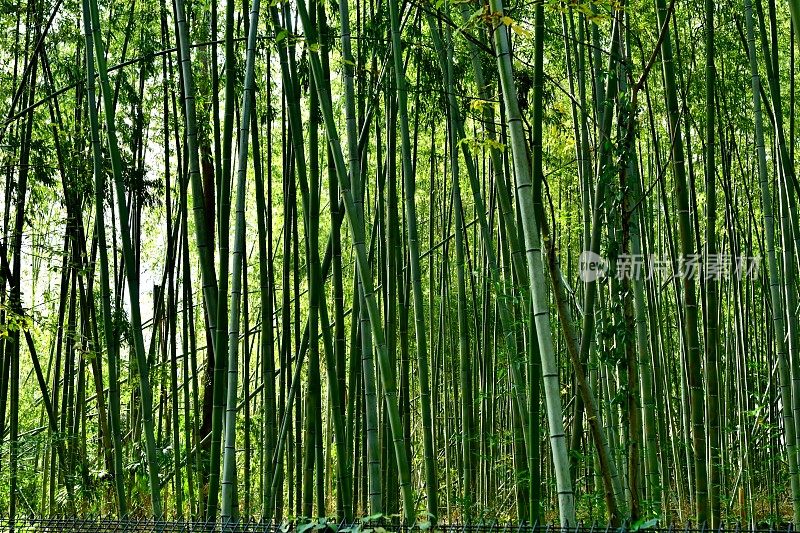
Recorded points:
431,482
132,276
229,468
221,343
687,249
386,371
105,292
533,253
712,286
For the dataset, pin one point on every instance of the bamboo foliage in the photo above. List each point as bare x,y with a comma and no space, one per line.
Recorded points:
774,283
450,355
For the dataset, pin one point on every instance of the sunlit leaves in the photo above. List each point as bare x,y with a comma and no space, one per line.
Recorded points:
477,145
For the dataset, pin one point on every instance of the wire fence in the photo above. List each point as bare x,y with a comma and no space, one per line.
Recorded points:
103,525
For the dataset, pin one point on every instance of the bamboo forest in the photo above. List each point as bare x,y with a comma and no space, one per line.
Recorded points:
413,261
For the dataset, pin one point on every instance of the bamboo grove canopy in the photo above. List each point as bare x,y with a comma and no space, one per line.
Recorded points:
429,262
